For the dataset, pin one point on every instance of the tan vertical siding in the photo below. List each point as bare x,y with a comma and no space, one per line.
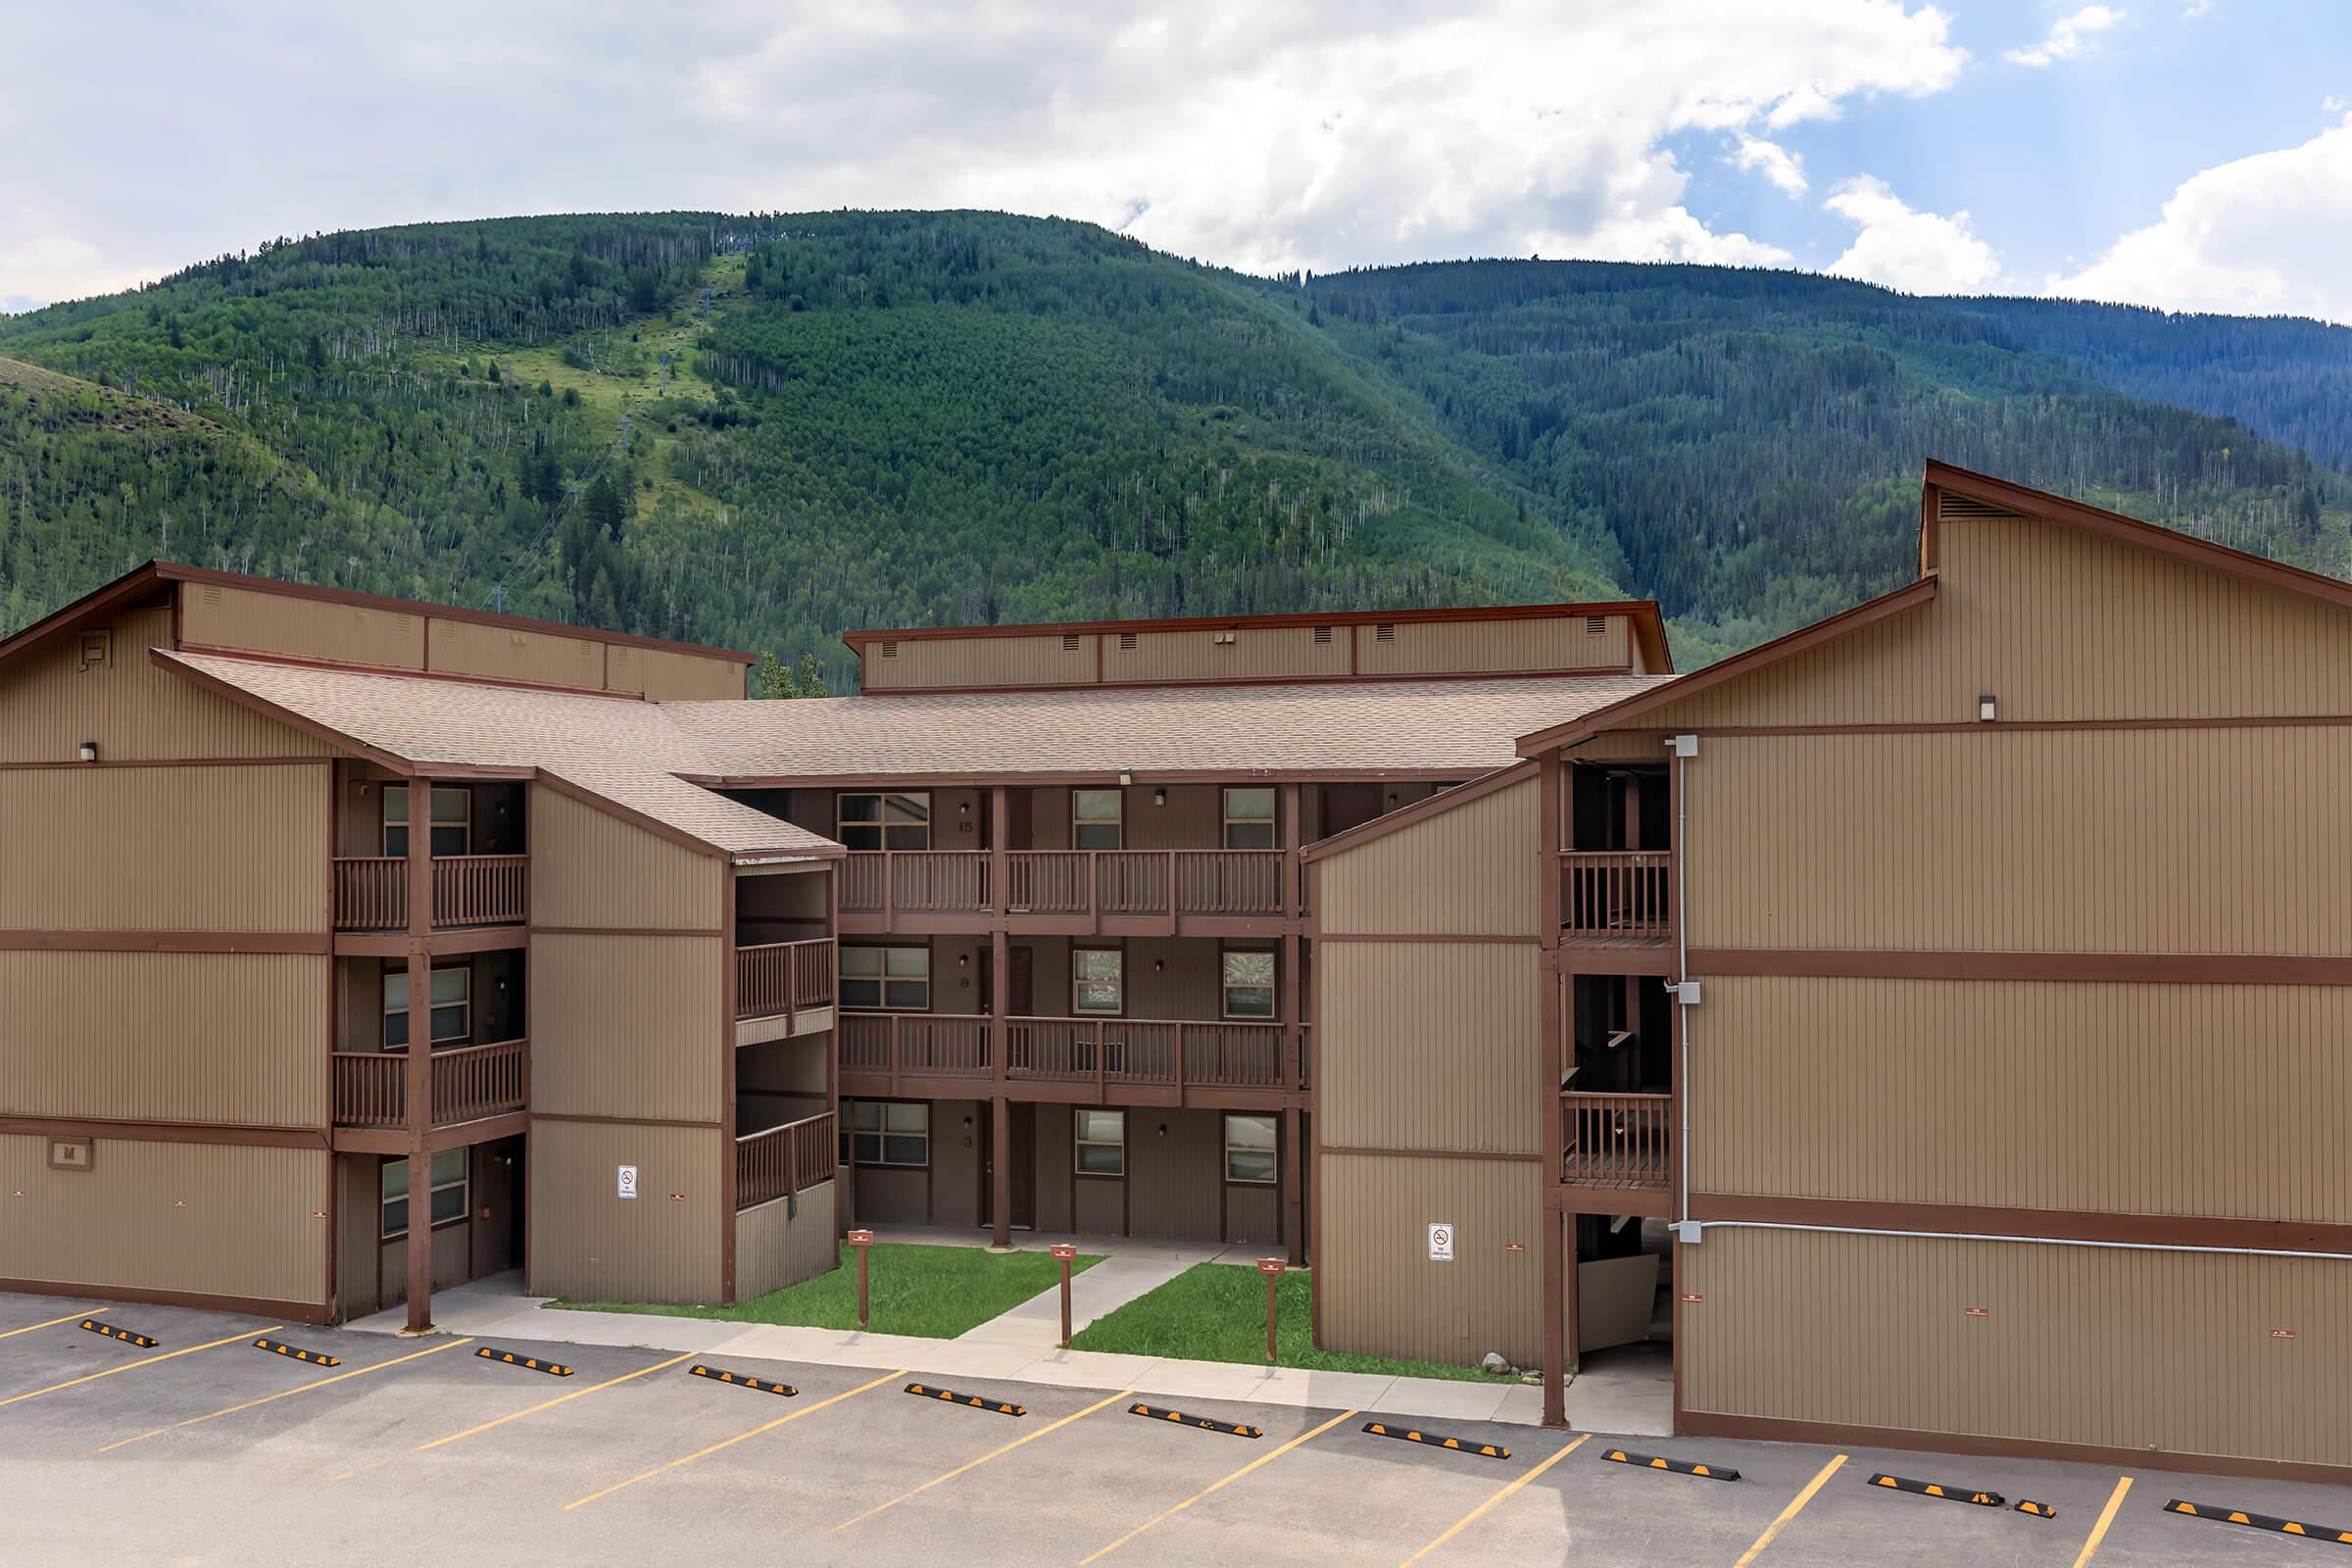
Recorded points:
589,1244
213,616
201,1218
1428,1045
666,676
1253,1216
1380,1293
775,1247
955,1174
591,869
1173,1180
2031,1094
358,1228
187,1036
1054,1198
626,1026
1193,819
1484,647
2104,841
1100,1207
164,849
1263,652
507,653
889,1195
1469,870
979,661
1874,1331
50,703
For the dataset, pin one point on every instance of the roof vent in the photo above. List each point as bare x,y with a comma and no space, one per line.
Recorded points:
1952,506
1069,642
1385,632
1594,625
1226,639
890,650
1322,634
1127,642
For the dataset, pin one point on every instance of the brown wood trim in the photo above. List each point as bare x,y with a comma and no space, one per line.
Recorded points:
1691,1423
2050,1224
1632,609
1369,1153
1979,728
729,1028
124,593
165,762
205,680
195,1301
234,1134
635,818
1614,715
2134,968
705,932
2131,531
310,941
1476,789
173,571
266,655
483,1130
1083,778
1529,940
1422,677
627,1121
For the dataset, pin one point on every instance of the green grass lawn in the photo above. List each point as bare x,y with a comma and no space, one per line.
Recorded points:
935,1291
1218,1312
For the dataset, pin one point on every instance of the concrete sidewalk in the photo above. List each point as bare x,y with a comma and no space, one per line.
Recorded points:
1633,1398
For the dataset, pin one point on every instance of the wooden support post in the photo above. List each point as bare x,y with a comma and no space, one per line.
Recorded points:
1063,1253
1294,1205
999,1172
1554,1264
999,1003
419,1069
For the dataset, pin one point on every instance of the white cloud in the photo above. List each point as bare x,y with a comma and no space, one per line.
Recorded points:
1779,164
1320,133
40,262
2261,235
2195,9
2070,35
1919,253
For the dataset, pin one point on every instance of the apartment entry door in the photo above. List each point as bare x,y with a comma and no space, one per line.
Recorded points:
1023,1151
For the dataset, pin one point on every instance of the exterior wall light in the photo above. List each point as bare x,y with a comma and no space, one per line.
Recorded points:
1985,709
89,751
1126,777
1160,797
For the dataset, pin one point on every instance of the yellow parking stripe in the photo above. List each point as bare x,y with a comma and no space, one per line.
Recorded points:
983,1459
50,1323
132,1366
1479,1512
1216,1486
2098,1532
1799,1501
282,1394
699,1454
549,1404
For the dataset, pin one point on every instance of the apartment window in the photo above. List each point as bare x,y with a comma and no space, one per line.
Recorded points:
1097,980
452,1007
1249,820
452,819
448,1192
1101,1137
897,978
1098,818
887,1132
894,821
1248,983
1249,1148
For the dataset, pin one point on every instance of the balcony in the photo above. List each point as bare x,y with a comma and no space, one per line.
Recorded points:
914,1045
779,1161
901,1051
1073,889
372,891
1620,1142
783,980
1618,898
469,1083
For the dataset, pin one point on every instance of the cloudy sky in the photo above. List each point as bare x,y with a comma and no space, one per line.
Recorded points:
2191,154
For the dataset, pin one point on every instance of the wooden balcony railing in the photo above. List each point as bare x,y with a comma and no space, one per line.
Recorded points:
372,891
469,1083
1146,1051
916,882
914,1045
1616,1139
782,1160
783,977
1622,895
1081,882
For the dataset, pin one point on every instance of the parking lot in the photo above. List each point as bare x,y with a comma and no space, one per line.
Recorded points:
203,1448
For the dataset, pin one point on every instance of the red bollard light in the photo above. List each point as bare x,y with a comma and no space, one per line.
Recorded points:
1271,1268
863,1240
1063,1253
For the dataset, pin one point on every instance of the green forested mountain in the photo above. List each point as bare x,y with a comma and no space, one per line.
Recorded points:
763,429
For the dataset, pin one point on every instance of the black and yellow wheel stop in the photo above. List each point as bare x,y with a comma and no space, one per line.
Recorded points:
1489,1450
743,1380
108,1330
315,1358
2258,1521
531,1363
1679,1467
1932,1488
973,1401
1199,1423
